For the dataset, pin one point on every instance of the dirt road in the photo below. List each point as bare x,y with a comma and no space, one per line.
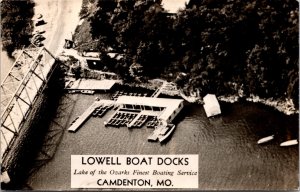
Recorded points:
61,17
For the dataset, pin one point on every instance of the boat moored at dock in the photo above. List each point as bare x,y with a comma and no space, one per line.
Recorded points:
89,92
166,132
161,132
134,112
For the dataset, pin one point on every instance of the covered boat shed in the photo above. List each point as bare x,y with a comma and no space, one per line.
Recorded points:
169,107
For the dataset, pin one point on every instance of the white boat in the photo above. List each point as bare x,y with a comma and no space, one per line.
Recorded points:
72,91
152,137
155,133
166,132
289,143
90,92
265,139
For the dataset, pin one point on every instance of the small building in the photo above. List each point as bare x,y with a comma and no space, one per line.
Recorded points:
68,44
211,105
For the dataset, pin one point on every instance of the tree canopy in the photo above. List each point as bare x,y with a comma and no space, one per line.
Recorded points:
16,24
220,45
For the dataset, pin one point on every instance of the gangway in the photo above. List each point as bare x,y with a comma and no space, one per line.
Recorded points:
158,91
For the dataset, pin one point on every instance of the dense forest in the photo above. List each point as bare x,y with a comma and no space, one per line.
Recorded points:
16,24
216,46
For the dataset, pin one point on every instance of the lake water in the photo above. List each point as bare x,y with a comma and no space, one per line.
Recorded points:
229,157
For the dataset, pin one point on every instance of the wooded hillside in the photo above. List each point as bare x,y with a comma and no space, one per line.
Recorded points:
216,46
16,24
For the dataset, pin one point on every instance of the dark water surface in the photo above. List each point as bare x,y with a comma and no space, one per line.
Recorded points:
229,157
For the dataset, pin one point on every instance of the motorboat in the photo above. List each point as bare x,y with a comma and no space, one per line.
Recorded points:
154,135
166,132
90,92
161,132
289,143
265,139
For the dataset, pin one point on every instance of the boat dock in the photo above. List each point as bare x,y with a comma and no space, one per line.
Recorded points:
155,134
145,113
135,112
75,125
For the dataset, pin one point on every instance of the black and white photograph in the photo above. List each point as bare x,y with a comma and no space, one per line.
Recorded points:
156,95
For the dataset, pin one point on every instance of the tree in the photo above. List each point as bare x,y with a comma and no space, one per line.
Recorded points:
17,25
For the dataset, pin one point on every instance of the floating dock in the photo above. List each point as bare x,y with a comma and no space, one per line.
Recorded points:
134,111
91,84
88,112
146,113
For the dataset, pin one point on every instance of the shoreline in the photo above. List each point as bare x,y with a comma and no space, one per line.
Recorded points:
285,106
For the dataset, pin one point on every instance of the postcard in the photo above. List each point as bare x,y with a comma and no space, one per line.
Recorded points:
149,95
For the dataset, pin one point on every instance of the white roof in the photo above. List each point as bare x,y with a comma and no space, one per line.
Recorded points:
210,99
149,101
211,105
93,84
170,105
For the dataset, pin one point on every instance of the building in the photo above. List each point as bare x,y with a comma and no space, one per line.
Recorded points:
165,109
211,105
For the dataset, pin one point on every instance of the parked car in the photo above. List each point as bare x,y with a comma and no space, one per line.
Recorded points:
40,22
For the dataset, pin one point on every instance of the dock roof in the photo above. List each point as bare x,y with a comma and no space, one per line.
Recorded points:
149,101
92,84
170,105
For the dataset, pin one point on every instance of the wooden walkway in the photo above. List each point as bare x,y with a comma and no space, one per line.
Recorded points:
86,115
158,91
